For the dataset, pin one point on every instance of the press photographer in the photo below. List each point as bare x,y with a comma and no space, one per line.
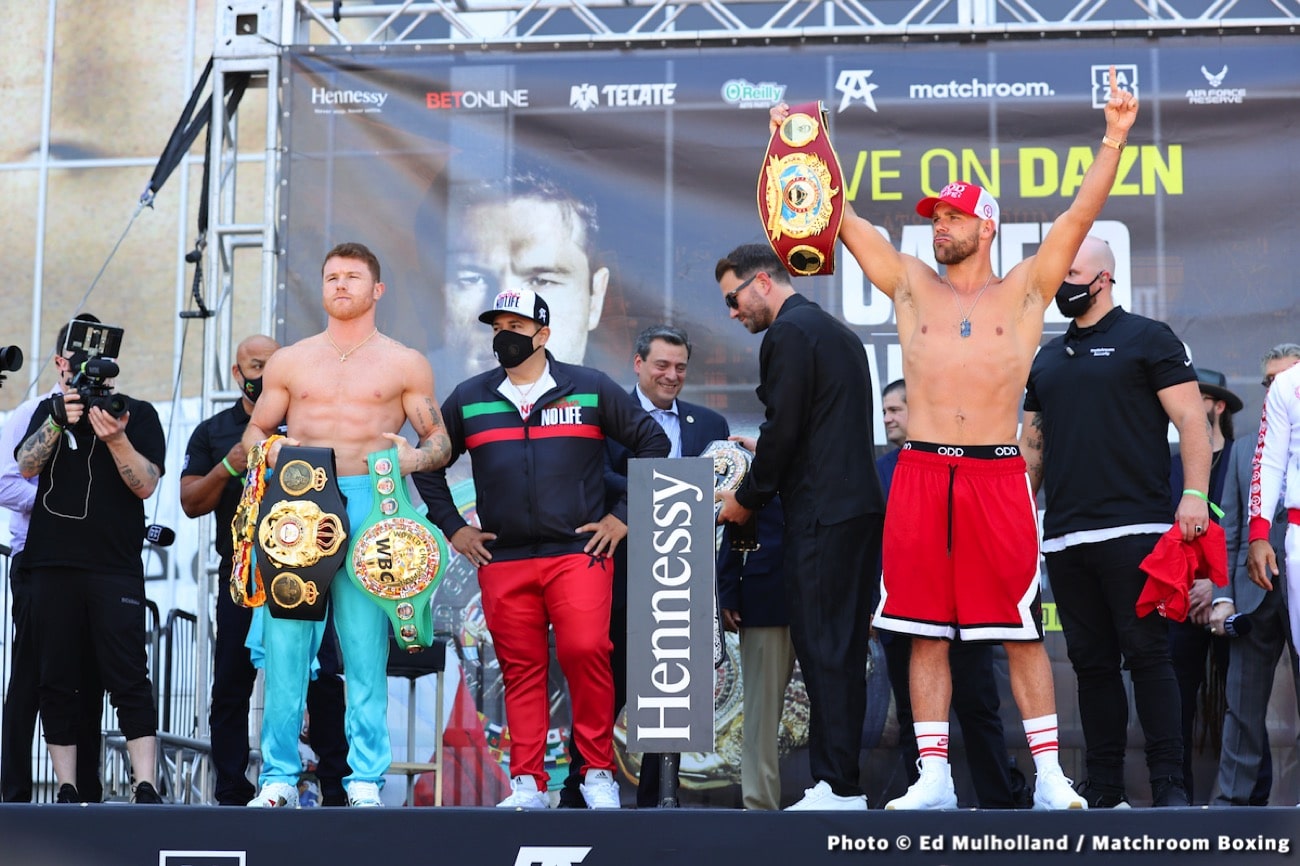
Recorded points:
21,707
97,456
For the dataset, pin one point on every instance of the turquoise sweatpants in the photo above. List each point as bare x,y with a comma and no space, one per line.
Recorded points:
289,648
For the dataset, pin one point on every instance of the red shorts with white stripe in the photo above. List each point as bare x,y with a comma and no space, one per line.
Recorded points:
961,545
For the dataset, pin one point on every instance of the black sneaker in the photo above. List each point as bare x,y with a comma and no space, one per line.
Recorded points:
1168,791
1103,796
67,794
145,793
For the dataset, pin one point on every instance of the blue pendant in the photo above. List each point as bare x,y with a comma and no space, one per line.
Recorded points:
965,327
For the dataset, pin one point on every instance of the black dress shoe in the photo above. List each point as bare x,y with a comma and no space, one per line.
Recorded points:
145,793
67,794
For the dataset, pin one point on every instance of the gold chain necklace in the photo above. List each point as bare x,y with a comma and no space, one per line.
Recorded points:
343,356
965,315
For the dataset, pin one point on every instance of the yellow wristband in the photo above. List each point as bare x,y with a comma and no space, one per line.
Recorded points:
1107,141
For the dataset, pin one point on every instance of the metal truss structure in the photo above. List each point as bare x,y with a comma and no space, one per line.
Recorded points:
250,35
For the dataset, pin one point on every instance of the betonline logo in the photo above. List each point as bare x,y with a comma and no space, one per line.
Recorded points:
451,100
977,89
547,855
743,94
586,96
348,98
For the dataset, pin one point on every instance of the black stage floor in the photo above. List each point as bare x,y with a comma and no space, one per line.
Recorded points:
112,834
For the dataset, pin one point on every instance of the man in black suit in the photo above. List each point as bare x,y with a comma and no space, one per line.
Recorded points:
1245,765
660,361
815,449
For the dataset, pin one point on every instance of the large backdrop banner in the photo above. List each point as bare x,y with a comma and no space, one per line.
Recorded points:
611,181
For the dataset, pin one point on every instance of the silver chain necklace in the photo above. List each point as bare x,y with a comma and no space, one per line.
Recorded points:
966,314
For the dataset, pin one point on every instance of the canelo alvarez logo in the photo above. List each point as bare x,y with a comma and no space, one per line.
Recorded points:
853,84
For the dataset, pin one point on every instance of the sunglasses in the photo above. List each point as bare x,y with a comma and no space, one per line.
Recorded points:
730,297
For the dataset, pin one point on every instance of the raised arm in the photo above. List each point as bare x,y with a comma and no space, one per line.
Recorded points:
884,266
1052,262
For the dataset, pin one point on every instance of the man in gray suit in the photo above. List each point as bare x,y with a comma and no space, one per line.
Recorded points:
1244,766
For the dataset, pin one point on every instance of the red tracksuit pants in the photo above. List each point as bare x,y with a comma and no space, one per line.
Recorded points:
572,593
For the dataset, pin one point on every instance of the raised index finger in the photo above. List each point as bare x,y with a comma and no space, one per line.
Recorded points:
1114,90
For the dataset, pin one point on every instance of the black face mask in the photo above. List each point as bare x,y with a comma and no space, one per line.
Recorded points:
252,387
1074,299
512,348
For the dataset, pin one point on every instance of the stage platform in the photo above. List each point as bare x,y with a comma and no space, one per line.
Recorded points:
124,835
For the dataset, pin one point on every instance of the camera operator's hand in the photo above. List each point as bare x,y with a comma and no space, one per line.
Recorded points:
73,408
106,427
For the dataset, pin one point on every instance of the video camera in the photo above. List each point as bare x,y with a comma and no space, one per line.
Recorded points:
92,345
11,361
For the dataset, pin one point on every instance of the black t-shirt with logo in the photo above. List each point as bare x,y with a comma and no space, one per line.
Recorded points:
1105,434
85,516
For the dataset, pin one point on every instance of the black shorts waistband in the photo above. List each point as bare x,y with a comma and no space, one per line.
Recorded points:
977,452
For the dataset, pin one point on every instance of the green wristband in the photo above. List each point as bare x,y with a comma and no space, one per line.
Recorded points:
225,461
54,425
1218,512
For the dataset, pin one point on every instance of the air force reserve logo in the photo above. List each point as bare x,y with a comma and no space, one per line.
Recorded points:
584,97
1216,93
853,84
551,855
1126,79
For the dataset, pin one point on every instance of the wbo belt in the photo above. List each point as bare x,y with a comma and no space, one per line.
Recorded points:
799,192
398,557
301,533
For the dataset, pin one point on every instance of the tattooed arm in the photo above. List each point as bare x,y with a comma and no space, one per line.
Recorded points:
136,472
1031,447
422,411
37,449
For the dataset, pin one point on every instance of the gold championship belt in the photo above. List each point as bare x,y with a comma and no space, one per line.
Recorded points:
800,192
398,556
246,586
302,528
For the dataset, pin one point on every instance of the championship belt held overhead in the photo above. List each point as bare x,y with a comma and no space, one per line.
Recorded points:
800,189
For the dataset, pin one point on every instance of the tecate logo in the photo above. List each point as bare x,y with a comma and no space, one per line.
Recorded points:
743,94
585,97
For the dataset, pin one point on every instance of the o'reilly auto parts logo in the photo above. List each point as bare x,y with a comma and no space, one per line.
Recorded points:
743,94
585,97
977,88
1126,78
340,100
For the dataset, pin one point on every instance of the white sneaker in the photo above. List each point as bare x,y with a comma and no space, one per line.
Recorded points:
932,790
600,790
820,798
1053,791
524,795
363,795
275,795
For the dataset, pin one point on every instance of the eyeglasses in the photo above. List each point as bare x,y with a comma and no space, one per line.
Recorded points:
730,297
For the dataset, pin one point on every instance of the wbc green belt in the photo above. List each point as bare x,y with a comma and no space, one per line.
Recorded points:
398,556
302,527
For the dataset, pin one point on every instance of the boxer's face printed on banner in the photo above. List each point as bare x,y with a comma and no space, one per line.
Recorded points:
523,243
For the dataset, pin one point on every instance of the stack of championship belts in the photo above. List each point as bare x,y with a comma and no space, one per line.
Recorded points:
800,192
292,535
730,466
